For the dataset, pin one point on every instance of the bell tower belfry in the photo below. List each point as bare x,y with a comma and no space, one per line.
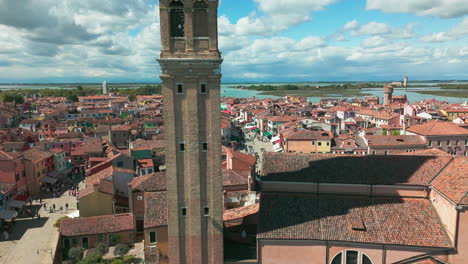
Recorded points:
191,76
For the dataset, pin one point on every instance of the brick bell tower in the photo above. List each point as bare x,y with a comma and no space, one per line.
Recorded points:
190,65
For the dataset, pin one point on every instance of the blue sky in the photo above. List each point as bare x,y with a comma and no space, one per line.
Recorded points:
261,40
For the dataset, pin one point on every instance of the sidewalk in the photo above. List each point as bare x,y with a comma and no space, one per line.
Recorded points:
30,235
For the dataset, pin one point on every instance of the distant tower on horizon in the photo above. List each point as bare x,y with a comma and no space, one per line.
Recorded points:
104,87
190,64
405,81
388,94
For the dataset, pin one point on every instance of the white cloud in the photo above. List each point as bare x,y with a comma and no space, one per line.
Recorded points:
438,8
458,32
377,28
373,42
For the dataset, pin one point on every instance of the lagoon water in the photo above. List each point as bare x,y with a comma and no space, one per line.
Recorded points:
230,90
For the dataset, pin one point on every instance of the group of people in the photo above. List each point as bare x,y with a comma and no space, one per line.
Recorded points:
74,190
53,208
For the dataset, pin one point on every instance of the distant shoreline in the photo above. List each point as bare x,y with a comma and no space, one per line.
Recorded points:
233,83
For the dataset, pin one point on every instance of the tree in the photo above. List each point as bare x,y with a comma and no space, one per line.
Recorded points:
79,88
131,98
92,259
115,239
59,221
72,97
121,249
75,253
101,249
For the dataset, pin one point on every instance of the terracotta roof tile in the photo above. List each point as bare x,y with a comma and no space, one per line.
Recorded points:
351,169
453,181
234,177
149,183
395,140
241,212
390,221
96,225
155,209
436,128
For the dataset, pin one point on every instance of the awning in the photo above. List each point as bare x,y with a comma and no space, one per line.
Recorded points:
274,139
277,141
253,128
268,134
55,174
8,214
256,130
48,179
15,204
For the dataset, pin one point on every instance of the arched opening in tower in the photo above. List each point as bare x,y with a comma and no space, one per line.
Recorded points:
177,19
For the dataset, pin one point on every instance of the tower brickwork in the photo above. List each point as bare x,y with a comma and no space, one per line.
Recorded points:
191,76
388,94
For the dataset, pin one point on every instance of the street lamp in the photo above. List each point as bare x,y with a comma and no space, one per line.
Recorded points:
45,250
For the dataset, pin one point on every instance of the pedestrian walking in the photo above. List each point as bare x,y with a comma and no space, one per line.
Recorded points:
61,208
53,205
38,216
45,205
40,200
66,206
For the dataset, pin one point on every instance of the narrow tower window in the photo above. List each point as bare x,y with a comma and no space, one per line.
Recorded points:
184,211
206,211
180,88
177,19
203,89
200,19
205,146
182,147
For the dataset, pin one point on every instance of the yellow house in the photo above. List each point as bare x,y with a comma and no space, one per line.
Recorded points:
324,145
453,114
97,199
307,141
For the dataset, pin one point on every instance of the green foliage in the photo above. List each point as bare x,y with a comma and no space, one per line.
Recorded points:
121,249
131,98
59,221
384,132
117,261
8,97
92,259
115,239
75,253
395,133
72,97
79,88
101,249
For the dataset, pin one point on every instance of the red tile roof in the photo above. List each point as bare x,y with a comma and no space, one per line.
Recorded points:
146,163
453,181
149,183
395,140
351,169
155,209
241,212
233,177
307,135
35,154
389,221
437,128
97,225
